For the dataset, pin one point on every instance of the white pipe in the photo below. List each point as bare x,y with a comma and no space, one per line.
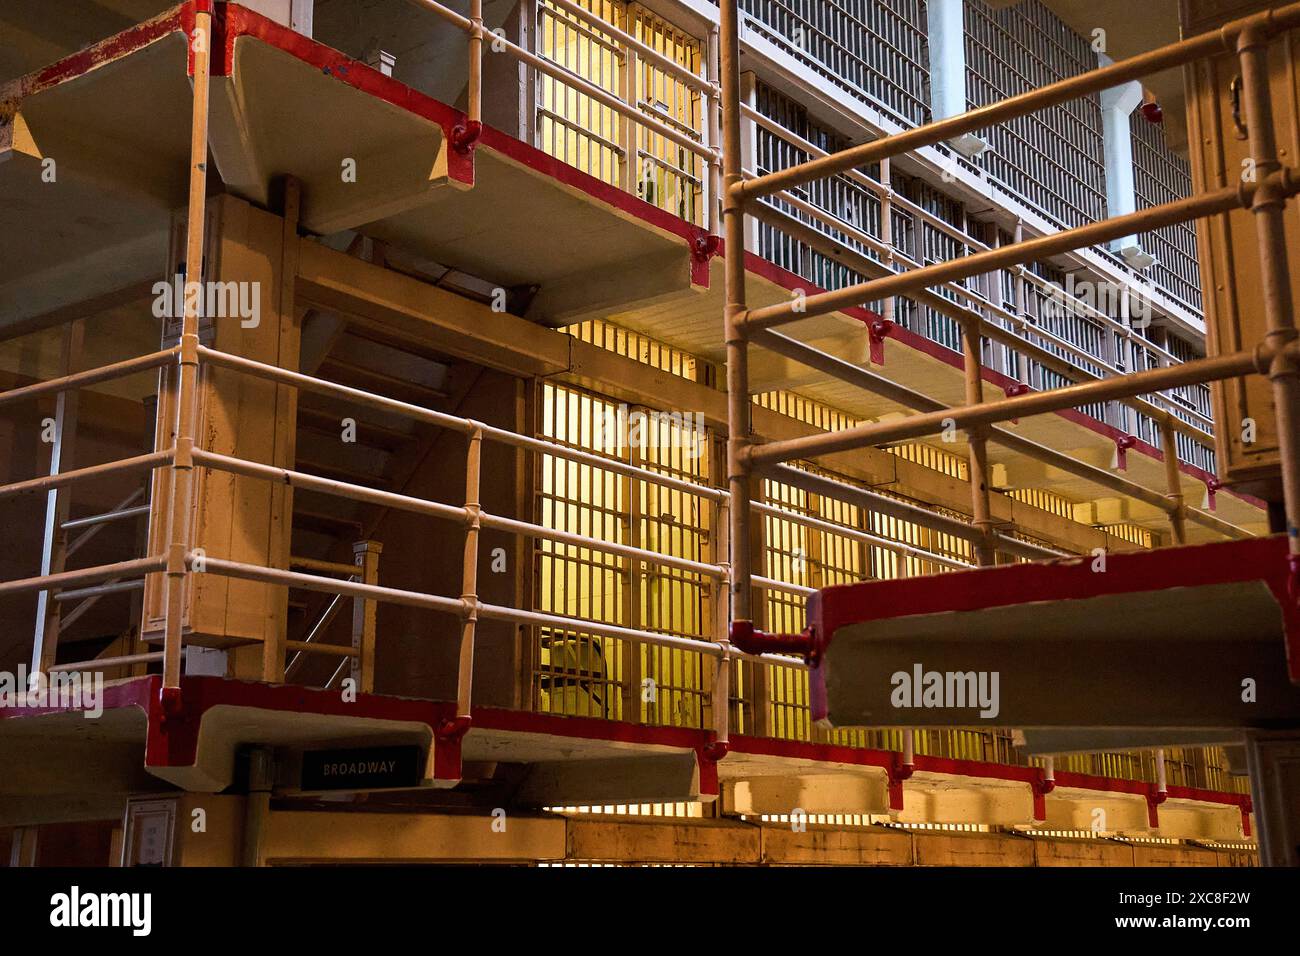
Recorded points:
947,43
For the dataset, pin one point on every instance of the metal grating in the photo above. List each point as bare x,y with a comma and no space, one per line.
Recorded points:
583,133
576,674
570,125
925,244
668,175
848,202
1160,176
592,676
1051,159
872,50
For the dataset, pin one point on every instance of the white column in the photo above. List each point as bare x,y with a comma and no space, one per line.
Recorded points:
749,148
295,14
947,41
1117,106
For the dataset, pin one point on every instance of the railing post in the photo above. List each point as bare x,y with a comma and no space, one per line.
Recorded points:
1173,480
55,539
1268,206
180,506
630,174
739,407
888,305
1021,372
738,403
712,129
633,588
977,439
475,93
364,616
469,581
722,674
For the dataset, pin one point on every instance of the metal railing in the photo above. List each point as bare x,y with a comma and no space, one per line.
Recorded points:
359,656
1016,319
1277,355
1051,158
626,111
872,50
178,560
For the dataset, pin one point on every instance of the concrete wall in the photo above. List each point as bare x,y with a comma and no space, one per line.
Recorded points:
325,836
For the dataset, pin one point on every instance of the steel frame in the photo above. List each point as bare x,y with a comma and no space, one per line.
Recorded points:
1277,356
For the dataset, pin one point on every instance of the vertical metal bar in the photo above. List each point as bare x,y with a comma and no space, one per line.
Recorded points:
286,422
54,539
977,438
632,515
469,572
257,806
365,555
475,97
179,528
724,666
629,133
711,131
738,404
1021,305
1178,514
887,231
1268,207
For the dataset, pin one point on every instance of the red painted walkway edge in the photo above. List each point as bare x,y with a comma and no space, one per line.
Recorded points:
172,741
1129,572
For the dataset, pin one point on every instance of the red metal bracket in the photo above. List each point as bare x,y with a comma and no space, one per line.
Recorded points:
169,703
706,758
1014,389
1122,445
752,641
1041,788
703,247
896,773
447,739
1154,799
877,332
464,136
1212,485
715,750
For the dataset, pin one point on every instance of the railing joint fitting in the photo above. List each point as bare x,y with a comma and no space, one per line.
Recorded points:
178,559
188,349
